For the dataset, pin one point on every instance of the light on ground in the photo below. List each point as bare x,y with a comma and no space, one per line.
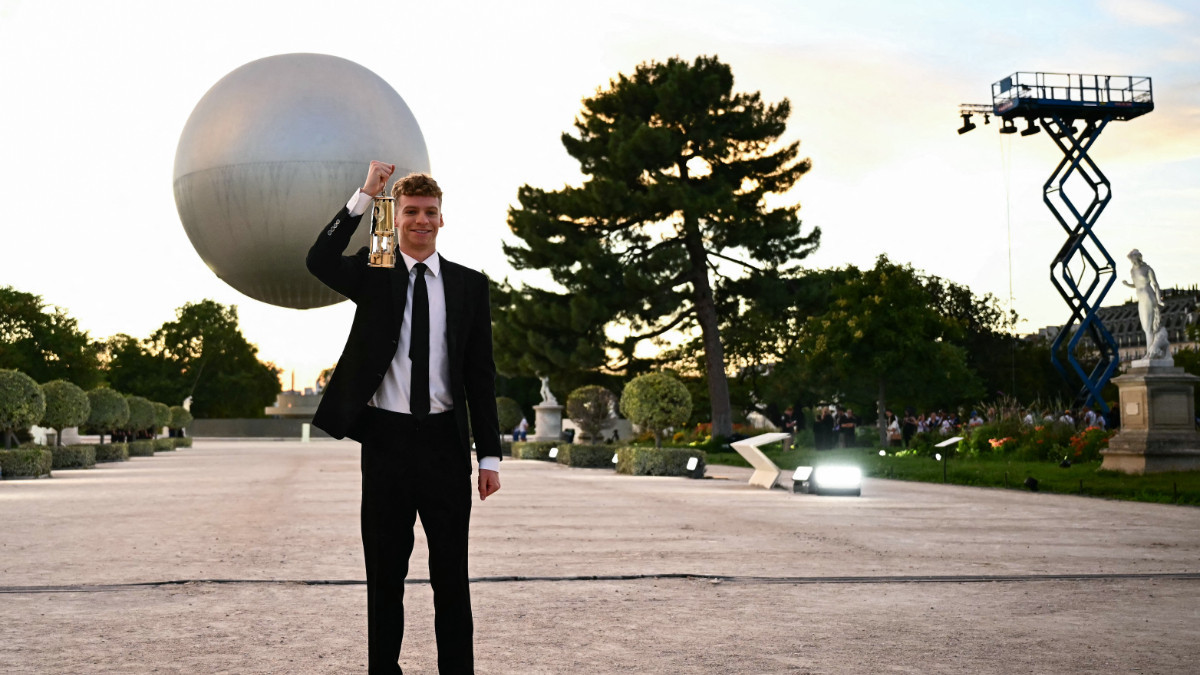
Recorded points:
553,453
614,458
883,453
938,456
837,478
692,462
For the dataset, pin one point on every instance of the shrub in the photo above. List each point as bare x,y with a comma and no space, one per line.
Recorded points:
182,441
656,401
22,404
1049,440
589,407
142,448
26,462
162,416
638,461
109,410
1086,445
588,456
535,449
163,445
509,413
73,456
141,415
112,452
66,406
180,418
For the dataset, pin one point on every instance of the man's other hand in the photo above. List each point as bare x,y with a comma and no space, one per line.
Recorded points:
377,177
489,482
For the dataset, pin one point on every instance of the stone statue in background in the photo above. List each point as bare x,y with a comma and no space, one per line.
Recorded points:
187,404
1150,307
547,395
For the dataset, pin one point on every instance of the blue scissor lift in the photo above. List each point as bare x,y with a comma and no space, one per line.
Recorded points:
1073,109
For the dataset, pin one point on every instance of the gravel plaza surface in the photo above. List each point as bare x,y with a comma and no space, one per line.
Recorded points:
244,557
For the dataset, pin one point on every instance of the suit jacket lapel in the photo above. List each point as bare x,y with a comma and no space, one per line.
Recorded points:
452,285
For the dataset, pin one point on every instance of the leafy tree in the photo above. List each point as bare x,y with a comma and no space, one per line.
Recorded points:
66,406
141,415
22,403
656,401
109,411
509,413
162,416
180,418
678,171
203,354
44,342
882,334
589,407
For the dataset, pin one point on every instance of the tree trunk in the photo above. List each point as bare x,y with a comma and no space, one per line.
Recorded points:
706,314
883,430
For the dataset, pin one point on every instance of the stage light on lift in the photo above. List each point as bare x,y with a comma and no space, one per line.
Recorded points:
967,124
1008,127
1031,129
828,480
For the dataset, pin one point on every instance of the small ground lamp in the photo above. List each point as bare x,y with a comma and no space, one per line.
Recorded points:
828,479
944,459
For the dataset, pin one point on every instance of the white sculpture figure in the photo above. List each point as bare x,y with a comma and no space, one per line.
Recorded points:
187,404
547,395
1150,306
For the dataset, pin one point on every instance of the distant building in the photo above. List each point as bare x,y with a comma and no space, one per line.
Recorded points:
1182,311
295,405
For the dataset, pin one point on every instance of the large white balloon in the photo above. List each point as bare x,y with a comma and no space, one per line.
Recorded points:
271,153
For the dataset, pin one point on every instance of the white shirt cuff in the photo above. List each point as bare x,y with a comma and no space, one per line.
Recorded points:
489,463
358,203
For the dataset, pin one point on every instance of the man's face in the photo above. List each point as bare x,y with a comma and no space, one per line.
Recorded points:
417,223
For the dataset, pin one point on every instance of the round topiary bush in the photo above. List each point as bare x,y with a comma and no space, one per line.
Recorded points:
589,407
66,406
656,401
112,452
142,448
22,403
109,411
162,416
180,419
141,415
509,413
74,456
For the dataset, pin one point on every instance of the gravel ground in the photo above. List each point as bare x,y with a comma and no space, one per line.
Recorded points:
244,557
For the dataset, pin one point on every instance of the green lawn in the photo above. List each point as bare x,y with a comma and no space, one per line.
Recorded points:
1083,478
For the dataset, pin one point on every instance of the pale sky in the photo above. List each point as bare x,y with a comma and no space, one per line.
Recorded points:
95,95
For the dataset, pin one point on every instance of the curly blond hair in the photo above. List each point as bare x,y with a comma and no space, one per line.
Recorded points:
417,185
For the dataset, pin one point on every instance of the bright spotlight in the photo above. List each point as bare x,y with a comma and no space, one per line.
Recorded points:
883,453
800,482
1030,129
836,480
967,124
692,462
614,458
553,453
1008,127
938,456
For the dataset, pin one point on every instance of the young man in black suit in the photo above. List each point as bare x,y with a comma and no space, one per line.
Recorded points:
417,364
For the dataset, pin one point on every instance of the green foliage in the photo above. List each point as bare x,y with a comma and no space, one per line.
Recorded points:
535,449
109,410
587,456
656,401
679,171
164,444
74,456
142,448
26,462
641,461
202,353
162,415
22,403
112,452
44,342
180,417
589,407
509,412
141,413
66,406
182,441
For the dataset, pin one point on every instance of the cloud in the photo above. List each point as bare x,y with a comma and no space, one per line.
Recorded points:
1145,12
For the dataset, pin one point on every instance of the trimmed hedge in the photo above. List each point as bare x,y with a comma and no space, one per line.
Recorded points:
535,449
112,452
645,461
182,441
587,456
143,448
26,462
164,445
74,456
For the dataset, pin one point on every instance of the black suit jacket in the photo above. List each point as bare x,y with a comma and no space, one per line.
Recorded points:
380,295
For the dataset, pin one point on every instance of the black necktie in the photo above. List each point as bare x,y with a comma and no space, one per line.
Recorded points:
418,350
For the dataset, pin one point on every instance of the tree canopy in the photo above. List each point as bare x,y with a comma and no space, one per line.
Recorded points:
673,210
43,342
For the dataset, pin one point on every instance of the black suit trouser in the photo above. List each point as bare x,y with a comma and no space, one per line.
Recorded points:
411,468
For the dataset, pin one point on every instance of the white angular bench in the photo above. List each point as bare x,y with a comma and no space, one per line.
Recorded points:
766,474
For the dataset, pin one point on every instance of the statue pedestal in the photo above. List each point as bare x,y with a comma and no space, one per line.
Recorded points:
547,423
1158,426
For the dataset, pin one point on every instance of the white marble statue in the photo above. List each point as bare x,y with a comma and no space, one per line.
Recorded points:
547,395
187,404
1150,307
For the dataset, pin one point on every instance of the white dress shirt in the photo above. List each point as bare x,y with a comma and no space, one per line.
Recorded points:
393,392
